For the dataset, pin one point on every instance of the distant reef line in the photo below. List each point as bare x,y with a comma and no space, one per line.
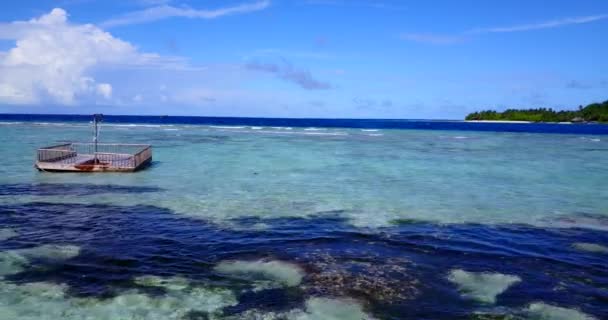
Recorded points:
595,112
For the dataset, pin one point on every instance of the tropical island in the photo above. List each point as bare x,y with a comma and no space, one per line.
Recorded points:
595,112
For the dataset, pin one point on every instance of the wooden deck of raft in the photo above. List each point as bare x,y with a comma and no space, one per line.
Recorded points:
88,157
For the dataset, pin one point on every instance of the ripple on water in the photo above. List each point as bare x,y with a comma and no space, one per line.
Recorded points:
149,258
14,261
50,252
7,233
590,247
69,189
579,220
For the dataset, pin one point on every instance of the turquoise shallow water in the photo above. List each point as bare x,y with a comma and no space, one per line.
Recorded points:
241,222
369,177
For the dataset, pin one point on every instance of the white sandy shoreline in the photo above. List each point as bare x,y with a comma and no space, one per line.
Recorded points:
513,121
498,121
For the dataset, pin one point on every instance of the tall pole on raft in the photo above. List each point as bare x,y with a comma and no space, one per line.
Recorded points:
96,119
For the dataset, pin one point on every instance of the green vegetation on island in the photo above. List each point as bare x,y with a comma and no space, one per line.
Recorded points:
595,112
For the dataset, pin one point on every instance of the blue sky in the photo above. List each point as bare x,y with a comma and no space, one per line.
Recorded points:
301,58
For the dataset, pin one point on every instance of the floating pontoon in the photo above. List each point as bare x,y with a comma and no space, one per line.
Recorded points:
94,157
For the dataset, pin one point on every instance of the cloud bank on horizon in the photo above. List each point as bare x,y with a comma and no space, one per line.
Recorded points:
167,57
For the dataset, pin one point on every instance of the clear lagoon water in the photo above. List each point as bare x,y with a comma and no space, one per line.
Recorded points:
309,220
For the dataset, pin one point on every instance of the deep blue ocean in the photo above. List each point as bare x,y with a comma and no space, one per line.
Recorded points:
308,219
327,123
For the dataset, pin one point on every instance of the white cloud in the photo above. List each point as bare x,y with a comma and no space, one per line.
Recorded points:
52,60
352,3
542,25
167,11
433,38
152,2
138,98
289,73
104,90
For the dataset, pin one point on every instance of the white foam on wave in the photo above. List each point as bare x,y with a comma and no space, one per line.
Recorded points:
326,133
590,139
375,134
171,129
305,133
7,233
10,123
590,247
49,124
49,301
121,125
278,272
482,286
139,125
369,130
55,124
256,128
315,129
454,137
542,311
226,127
